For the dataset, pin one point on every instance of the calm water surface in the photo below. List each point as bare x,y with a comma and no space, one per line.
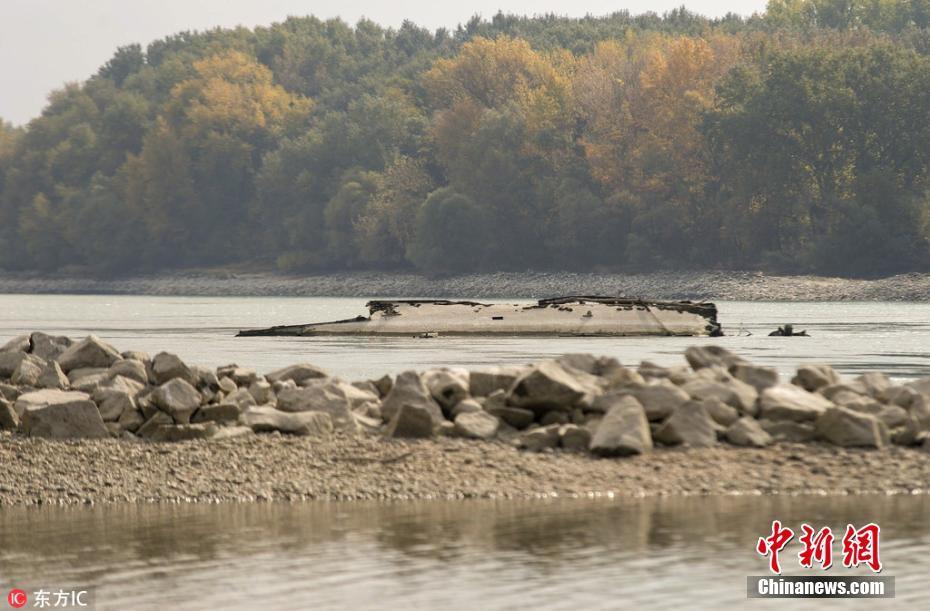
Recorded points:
854,337
665,553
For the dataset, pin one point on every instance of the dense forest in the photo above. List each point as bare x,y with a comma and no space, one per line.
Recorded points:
797,140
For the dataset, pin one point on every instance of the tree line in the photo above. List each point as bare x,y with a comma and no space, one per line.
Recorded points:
797,140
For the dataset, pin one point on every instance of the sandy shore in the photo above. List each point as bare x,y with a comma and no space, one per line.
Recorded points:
282,468
737,286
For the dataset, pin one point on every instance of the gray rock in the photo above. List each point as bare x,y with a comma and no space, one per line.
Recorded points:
28,371
330,396
58,414
384,384
466,406
814,377
243,398
136,355
9,419
128,368
183,432
20,343
228,386
483,382
131,420
232,432
8,392
48,347
178,399
747,432
623,431
112,404
516,417
875,383
262,393
917,426
690,425
298,373
412,420
733,392
574,438
53,377
263,419
476,425
409,389
789,430
659,400
9,361
700,357
722,414
546,386
844,427
447,387
89,352
87,379
540,438
167,366
153,423
555,417
222,412
758,377
789,402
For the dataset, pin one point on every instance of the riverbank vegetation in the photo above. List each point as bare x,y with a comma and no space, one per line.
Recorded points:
796,141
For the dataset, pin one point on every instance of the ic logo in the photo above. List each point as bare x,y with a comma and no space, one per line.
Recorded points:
17,598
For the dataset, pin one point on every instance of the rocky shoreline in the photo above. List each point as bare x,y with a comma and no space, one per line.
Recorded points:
84,423
696,285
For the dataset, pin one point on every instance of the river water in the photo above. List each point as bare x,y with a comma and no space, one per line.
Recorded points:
653,553
853,337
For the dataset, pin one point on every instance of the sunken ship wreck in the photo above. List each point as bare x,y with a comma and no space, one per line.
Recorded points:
563,316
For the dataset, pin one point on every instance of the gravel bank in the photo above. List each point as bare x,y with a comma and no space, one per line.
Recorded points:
736,286
282,468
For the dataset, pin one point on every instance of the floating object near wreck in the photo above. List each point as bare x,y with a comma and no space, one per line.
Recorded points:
563,316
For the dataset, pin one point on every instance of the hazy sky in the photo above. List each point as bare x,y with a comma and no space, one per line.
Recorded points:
46,43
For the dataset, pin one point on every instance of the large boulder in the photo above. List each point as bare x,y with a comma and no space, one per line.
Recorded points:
48,347
690,425
789,430
875,383
790,402
844,427
20,343
265,419
447,386
328,395
731,391
484,382
409,389
53,377
167,366
547,386
115,396
298,373
220,412
700,357
58,414
28,371
815,377
660,400
758,377
10,360
89,352
623,431
130,368
178,399
413,421
9,419
749,433
476,425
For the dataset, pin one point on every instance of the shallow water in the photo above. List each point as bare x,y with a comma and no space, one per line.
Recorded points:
854,337
572,554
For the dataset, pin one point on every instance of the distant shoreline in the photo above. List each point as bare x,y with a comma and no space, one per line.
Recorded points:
697,285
